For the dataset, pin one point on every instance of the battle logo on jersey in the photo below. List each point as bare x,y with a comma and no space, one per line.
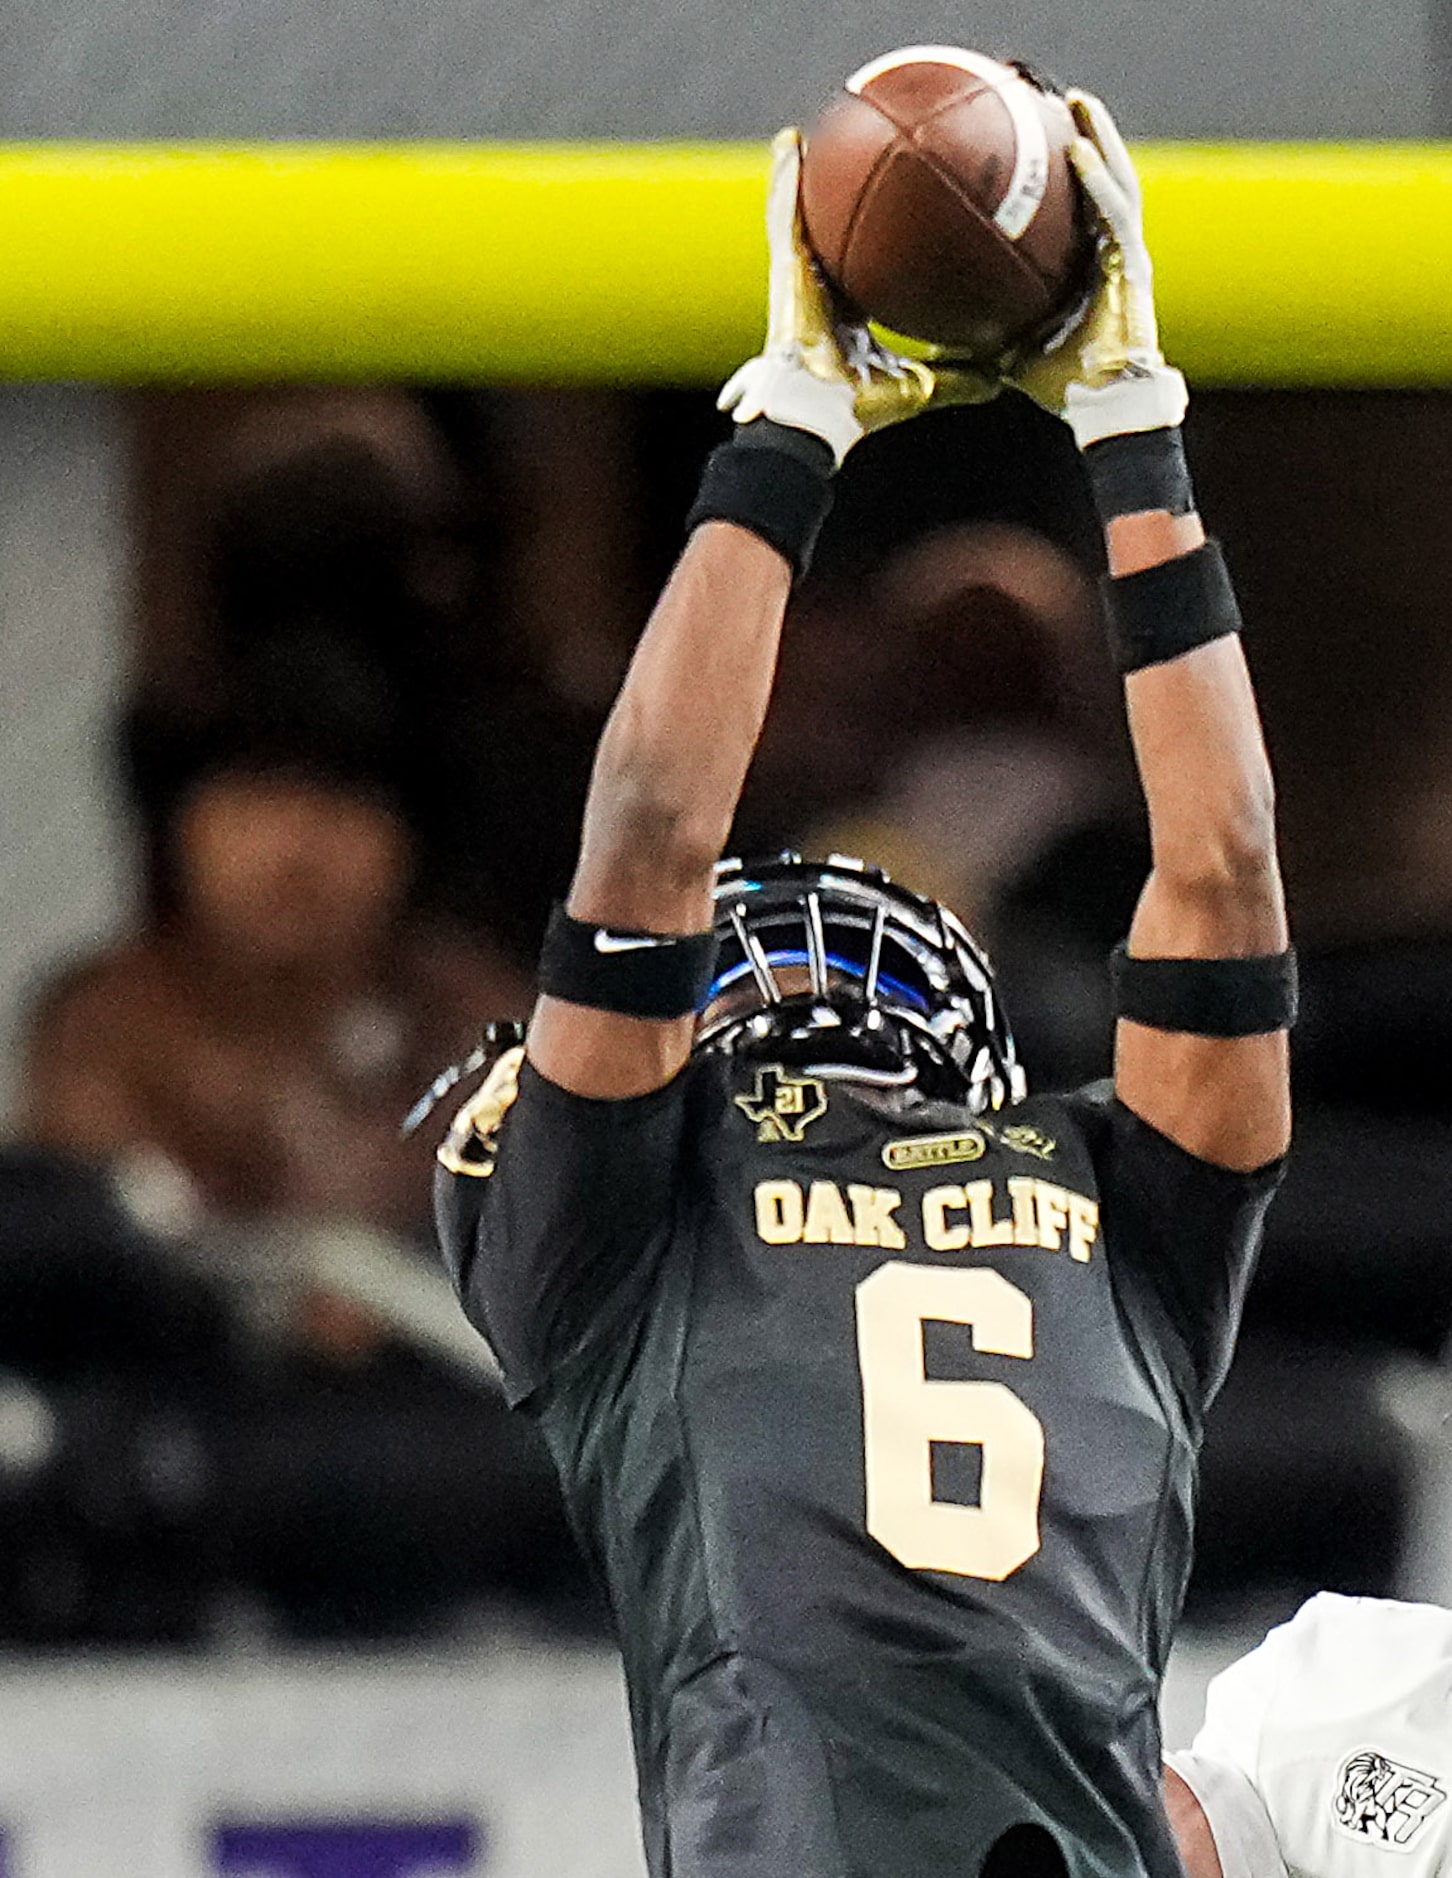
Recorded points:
470,1145
783,1106
934,1150
1381,1800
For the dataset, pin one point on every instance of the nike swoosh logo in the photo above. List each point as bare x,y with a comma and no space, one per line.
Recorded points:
622,942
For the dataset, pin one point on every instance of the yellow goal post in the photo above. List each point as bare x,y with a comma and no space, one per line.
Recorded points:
1277,264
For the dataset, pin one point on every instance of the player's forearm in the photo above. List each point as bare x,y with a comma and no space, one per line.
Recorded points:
675,750
1148,538
1215,887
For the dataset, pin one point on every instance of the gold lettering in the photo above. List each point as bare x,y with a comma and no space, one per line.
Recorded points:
942,1237
1053,1211
827,1222
1025,1224
1083,1226
872,1221
778,1212
986,1229
1042,1215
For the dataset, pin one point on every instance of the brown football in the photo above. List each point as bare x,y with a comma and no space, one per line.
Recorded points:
938,195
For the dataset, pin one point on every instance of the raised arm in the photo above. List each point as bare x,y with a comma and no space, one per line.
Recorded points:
674,753
1206,988
1214,890
667,777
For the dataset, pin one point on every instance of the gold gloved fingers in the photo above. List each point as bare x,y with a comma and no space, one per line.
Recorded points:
1105,375
894,385
795,297
1096,125
1100,343
963,383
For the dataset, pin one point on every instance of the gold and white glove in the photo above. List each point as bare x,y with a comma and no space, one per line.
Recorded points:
818,372
1106,376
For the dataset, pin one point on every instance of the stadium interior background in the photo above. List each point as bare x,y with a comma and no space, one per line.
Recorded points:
298,689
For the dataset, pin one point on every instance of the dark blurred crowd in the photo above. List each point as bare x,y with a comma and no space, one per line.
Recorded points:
375,634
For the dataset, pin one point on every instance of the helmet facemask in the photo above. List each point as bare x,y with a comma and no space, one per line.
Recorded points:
833,967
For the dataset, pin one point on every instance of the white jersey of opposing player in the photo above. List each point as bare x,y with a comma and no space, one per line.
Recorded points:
1327,1751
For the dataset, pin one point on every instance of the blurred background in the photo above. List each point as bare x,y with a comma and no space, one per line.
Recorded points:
298,692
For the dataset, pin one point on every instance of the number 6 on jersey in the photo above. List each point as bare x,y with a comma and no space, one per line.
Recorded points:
904,1413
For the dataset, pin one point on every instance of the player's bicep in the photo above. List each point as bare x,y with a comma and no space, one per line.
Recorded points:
606,1055
1226,1100
1203,961
551,1209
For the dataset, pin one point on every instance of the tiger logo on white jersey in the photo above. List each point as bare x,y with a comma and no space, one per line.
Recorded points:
1379,1799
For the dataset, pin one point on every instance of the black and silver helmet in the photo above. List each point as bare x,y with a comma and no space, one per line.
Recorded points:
897,992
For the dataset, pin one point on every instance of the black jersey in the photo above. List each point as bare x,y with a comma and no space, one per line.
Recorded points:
879,1422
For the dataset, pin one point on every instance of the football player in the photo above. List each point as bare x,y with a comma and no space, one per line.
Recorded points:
874,1386
1326,1751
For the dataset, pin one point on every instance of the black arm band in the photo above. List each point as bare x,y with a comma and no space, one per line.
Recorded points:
1165,610
1207,997
773,480
1145,469
636,974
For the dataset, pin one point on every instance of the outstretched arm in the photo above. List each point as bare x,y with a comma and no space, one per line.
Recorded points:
674,753
1214,889
667,777
1211,1070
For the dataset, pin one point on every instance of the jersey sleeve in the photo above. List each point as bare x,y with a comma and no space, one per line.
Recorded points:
1245,1838
1238,1703
553,1210
1185,1230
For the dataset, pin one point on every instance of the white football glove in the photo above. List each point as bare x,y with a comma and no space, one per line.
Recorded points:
818,372
1106,375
